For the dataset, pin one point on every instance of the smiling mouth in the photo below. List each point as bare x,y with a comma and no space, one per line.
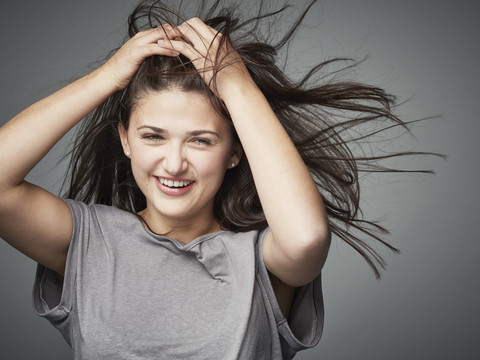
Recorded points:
174,183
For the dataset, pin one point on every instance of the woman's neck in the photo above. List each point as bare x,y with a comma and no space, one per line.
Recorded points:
184,230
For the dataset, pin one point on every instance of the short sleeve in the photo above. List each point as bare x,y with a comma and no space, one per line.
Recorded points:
304,326
54,294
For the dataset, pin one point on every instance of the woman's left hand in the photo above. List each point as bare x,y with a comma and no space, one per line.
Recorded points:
209,53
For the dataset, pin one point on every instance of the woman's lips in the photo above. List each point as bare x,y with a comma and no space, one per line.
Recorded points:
173,187
174,183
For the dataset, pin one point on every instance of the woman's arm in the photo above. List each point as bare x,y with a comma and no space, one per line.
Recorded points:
32,220
296,247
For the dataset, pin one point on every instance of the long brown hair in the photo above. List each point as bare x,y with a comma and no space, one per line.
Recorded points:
319,113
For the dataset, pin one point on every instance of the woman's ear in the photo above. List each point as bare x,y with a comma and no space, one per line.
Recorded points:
122,132
237,154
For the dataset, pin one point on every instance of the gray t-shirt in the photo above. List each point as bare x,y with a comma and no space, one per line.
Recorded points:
130,294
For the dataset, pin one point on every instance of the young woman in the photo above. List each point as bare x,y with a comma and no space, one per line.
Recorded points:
204,186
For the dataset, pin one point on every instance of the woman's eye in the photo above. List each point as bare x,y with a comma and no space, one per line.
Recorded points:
202,141
152,137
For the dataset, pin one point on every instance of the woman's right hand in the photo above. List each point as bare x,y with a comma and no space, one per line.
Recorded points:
123,65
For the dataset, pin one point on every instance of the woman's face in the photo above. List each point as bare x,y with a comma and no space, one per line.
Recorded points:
180,150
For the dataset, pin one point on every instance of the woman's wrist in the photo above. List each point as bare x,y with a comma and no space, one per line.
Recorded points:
104,81
237,93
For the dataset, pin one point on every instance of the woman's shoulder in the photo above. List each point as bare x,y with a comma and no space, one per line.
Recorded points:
252,236
101,214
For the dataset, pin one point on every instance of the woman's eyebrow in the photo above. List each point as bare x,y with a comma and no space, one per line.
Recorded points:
203,132
153,128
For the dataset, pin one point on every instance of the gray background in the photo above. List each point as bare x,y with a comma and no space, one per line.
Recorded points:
426,306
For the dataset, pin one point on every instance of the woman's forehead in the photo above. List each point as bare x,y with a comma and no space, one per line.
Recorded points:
177,108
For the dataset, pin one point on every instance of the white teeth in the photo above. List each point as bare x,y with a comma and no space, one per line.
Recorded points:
175,184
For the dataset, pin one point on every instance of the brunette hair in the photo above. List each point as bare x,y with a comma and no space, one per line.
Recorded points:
326,119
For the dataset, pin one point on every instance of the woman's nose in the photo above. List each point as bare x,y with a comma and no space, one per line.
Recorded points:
174,161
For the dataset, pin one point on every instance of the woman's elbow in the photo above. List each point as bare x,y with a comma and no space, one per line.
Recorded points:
308,257
314,244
